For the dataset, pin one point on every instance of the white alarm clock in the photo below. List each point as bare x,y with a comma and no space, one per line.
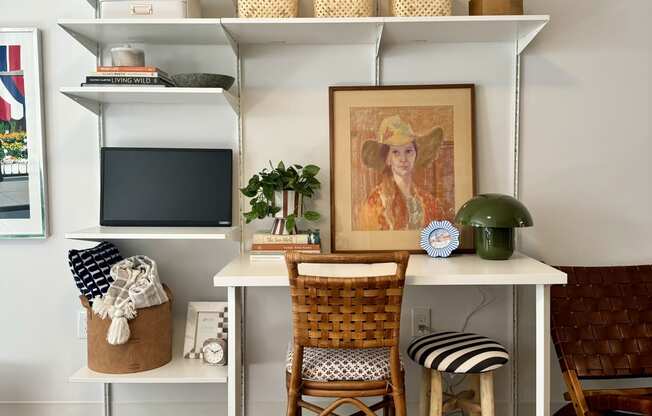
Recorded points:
214,351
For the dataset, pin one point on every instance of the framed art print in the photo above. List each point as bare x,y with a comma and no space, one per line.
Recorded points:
205,320
22,165
401,157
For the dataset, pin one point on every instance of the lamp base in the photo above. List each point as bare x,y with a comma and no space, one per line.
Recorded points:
494,243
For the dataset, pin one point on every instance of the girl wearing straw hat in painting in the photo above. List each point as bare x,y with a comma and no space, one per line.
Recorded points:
397,202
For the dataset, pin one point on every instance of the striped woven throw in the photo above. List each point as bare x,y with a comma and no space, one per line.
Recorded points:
136,285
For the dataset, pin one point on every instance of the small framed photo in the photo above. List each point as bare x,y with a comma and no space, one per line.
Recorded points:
205,320
440,238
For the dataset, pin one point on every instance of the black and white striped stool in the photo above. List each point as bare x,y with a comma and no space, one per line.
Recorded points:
458,353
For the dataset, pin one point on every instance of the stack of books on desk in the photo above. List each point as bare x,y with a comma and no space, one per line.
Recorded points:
132,76
267,246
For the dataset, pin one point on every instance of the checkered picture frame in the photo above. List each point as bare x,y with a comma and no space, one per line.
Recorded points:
194,309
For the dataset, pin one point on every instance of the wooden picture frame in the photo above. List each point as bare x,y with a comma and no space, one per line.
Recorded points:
401,157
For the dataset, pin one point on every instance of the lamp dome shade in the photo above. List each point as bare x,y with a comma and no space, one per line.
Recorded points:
494,210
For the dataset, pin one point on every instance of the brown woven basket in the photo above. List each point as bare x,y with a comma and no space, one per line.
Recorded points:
268,8
344,8
149,346
421,7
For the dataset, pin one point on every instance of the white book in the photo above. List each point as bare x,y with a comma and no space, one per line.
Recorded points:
266,258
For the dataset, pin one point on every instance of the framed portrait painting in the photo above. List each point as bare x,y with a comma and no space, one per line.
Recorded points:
22,168
401,157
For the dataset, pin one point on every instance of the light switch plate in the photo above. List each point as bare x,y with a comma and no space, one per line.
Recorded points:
82,328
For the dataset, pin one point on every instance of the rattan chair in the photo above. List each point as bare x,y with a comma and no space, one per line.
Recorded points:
346,317
602,329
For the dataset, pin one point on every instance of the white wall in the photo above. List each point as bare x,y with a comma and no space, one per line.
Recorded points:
585,174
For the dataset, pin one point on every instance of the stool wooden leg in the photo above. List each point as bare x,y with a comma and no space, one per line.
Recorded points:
487,393
475,387
436,393
424,399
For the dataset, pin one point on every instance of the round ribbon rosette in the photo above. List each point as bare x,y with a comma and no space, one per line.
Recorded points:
440,238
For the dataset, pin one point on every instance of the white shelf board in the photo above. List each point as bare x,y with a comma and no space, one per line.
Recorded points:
463,29
465,269
100,233
395,30
303,30
179,370
306,30
90,32
91,97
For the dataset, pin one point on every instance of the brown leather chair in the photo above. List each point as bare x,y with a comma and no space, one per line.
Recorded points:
602,329
346,336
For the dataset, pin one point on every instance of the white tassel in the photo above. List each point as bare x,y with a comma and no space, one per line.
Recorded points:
119,329
100,308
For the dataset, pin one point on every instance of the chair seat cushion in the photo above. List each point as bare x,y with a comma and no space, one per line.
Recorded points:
329,364
458,352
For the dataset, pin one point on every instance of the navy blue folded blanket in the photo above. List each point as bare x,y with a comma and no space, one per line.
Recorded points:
91,268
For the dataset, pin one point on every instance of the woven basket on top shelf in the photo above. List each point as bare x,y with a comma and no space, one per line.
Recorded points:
268,8
344,8
421,7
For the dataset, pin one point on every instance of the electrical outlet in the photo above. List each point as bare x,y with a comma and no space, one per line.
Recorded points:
82,326
420,321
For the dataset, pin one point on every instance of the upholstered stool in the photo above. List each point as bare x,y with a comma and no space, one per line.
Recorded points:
458,353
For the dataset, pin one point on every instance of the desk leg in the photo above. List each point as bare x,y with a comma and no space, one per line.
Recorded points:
234,396
543,350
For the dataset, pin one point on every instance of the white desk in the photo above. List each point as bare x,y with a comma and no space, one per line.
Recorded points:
422,271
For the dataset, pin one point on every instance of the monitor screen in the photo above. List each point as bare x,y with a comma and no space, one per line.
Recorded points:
166,187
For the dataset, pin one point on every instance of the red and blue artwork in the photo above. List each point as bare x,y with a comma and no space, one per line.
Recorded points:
12,84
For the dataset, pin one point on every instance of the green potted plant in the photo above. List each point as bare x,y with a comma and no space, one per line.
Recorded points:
278,192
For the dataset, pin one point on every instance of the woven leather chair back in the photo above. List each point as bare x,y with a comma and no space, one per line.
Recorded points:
347,312
602,321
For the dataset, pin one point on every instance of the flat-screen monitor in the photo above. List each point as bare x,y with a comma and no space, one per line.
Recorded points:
166,187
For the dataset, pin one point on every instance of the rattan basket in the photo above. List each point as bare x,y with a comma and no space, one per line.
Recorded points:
344,8
268,8
421,7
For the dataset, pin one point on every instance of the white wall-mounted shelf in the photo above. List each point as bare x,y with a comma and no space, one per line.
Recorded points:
100,233
179,370
394,29
91,32
304,30
337,31
91,97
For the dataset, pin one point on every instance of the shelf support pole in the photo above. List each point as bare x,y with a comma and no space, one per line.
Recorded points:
108,399
377,54
516,176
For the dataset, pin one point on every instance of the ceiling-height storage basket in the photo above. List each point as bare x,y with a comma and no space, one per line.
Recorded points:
268,8
344,8
149,345
421,7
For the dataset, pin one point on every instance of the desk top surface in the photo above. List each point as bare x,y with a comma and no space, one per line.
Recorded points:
465,269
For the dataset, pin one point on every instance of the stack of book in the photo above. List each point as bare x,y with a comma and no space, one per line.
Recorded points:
132,76
267,246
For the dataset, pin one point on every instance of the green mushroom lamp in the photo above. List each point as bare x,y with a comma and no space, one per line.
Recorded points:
494,217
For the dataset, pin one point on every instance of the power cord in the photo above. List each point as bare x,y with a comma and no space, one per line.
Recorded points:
487,299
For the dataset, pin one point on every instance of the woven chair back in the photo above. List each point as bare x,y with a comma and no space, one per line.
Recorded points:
602,321
347,312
